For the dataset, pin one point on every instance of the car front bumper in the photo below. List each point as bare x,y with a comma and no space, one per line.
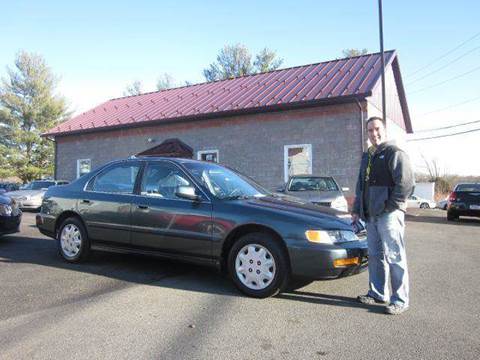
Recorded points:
316,261
10,224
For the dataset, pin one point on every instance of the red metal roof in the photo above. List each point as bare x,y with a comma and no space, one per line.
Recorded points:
336,79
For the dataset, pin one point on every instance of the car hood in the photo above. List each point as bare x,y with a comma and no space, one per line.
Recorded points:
316,196
299,207
19,193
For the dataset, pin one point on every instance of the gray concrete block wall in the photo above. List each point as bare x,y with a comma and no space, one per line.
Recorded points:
253,144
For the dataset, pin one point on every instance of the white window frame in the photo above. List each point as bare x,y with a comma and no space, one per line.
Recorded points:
201,152
285,158
78,165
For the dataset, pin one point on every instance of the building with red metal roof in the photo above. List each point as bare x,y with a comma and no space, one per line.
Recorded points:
260,124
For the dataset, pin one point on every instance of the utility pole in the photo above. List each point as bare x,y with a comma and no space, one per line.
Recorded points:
380,19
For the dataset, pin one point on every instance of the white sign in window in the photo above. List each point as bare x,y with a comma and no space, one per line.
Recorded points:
208,155
84,166
297,160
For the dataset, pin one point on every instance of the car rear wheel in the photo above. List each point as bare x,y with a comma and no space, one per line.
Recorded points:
73,243
258,265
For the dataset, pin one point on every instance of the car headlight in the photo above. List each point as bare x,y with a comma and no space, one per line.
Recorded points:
5,210
330,236
340,204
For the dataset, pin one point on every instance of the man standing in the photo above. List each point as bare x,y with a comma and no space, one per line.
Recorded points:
384,183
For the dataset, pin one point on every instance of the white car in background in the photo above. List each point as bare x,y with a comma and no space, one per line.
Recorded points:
415,201
30,195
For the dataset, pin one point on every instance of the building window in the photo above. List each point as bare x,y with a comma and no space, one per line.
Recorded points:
84,166
297,160
208,155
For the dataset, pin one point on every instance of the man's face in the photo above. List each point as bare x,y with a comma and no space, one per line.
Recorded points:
376,132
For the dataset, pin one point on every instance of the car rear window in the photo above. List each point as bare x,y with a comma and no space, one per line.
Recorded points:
313,184
468,187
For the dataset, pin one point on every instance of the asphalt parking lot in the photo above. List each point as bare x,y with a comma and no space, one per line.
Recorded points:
132,307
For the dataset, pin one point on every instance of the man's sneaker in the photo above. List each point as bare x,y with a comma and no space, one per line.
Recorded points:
396,309
369,300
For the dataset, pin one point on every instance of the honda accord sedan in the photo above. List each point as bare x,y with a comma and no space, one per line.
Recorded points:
204,213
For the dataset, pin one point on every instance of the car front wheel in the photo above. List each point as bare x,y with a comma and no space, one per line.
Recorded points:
424,206
73,243
258,265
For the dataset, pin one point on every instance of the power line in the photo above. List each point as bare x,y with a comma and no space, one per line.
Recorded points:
446,135
445,81
444,55
444,66
451,106
449,127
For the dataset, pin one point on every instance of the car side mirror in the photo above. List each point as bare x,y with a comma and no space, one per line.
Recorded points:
345,189
187,192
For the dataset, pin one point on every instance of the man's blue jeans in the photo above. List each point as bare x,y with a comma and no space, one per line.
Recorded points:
386,256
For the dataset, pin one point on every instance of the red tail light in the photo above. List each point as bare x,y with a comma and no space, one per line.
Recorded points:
452,197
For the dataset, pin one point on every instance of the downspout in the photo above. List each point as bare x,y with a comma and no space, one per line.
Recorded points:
362,139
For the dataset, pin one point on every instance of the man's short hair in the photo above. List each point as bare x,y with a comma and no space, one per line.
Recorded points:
373,118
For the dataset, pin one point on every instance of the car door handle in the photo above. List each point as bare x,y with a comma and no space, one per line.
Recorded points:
86,201
143,207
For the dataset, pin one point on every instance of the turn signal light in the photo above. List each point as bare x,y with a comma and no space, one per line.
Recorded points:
346,262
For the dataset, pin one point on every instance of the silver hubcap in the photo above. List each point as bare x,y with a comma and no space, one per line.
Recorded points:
255,266
70,240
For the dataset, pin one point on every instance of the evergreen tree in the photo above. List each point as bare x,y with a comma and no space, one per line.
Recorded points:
28,108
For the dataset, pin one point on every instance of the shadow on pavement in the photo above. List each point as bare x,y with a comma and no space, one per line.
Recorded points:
326,299
138,269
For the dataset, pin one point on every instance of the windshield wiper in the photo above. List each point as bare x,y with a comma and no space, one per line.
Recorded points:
237,197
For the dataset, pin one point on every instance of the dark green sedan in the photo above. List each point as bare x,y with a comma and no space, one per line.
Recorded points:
204,213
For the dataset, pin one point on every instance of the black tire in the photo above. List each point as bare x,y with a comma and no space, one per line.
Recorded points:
281,275
424,206
451,217
84,249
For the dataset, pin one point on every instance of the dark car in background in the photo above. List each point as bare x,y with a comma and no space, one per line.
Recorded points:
204,213
6,187
464,201
10,215
318,190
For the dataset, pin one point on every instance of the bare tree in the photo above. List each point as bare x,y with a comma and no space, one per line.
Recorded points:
135,88
354,52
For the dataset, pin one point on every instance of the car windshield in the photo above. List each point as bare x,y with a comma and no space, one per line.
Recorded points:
224,183
312,184
468,187
37,185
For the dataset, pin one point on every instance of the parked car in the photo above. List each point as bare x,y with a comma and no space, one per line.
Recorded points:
30,195
204,213
10,215
319,190
415,201
443,204
6,187
464,201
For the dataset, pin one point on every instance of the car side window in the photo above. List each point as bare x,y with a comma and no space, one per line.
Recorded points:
119,179
162,179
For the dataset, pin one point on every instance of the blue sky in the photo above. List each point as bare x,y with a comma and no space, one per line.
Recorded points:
99,47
